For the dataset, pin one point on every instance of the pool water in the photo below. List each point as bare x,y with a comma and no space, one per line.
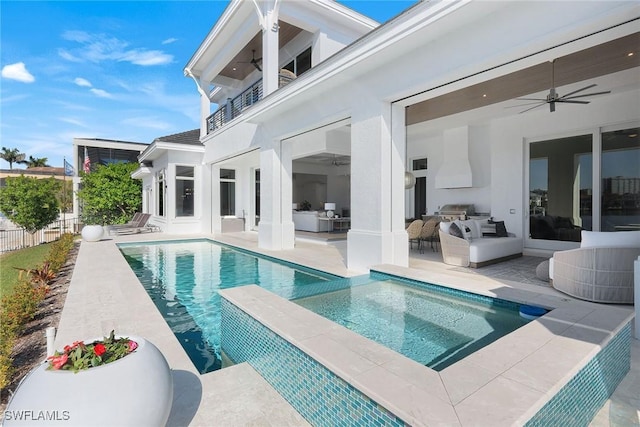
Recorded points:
431,326
183,278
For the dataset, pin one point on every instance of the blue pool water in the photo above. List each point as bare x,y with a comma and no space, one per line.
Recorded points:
430,324
182,278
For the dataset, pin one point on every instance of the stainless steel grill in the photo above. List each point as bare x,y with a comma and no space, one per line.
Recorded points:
456,211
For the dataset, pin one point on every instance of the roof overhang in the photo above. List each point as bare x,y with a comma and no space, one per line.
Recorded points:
141,172
377,55
159,148
237,33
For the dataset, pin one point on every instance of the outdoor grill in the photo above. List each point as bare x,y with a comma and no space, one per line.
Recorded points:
456,211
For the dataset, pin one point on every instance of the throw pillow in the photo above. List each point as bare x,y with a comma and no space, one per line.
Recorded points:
501,230
455,231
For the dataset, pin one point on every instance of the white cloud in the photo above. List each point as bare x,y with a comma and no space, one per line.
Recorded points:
170,40
18,72
101,47
13,98
101,93
82,82
146,57
73,121
68,56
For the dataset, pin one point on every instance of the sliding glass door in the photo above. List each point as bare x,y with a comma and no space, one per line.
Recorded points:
583,182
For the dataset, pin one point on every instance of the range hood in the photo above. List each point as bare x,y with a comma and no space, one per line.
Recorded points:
455,170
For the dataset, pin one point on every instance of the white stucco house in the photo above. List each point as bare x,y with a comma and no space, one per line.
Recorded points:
311,101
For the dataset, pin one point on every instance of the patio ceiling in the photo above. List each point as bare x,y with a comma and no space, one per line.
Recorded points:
240,66
605,59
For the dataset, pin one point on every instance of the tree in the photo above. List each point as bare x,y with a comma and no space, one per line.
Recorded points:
34,162
11,155
30,202
109,195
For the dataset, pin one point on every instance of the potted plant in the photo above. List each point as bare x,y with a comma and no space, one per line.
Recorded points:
94,381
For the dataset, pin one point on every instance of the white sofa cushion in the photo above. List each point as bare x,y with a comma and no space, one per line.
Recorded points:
489,248
444,226
611,239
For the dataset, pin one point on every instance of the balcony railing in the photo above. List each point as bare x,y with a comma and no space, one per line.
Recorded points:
234,107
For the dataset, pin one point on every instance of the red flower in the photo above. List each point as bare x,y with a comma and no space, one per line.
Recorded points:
57,362
132,345
99,349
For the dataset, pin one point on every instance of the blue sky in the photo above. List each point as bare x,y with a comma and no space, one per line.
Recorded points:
108,70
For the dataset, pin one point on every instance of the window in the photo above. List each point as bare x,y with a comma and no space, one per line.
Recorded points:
560,188
562,197
300,63
620,163
184,190
160,197
227,192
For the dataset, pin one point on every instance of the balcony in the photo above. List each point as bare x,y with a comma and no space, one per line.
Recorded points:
235,106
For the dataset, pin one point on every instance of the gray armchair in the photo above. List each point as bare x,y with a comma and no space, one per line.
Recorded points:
598,274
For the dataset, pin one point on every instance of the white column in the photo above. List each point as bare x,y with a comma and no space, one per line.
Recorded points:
216,219
206,192
276,229
205,111
377,232
270,49
286,196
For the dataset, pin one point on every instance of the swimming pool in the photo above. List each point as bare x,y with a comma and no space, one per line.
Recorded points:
183,277
432,325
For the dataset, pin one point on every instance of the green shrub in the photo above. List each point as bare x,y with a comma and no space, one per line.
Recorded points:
60,251
21,304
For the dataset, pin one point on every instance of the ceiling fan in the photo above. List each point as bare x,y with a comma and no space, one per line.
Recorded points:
253,61
553,97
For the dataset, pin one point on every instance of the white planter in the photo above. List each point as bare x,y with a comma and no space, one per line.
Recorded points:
92,233
136,390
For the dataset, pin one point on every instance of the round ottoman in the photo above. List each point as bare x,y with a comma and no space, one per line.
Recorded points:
542,271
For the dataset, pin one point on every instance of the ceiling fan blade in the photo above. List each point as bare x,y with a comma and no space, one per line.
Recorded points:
580,90
532,99
534,107
586,94
568,101
255,64
524,105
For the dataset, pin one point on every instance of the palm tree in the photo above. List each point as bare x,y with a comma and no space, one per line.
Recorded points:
11,155
34,162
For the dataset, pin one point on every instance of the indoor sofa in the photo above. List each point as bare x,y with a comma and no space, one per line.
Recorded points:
310,221
476,247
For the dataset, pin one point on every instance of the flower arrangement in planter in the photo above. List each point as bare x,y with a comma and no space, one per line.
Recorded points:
79,356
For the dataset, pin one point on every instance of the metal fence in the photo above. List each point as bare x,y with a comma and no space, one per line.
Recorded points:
19,238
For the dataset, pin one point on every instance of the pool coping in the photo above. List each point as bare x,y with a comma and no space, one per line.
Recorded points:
505,383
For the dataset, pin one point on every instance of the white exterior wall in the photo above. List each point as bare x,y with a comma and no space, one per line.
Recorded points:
169,223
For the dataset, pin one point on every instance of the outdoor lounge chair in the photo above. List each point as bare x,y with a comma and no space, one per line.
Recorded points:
133,222
131,227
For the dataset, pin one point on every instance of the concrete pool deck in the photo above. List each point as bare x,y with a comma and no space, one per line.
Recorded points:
105,294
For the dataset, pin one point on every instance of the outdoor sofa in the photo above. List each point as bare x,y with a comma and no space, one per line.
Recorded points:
476,248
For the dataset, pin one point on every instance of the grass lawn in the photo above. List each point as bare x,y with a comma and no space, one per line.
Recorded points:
23,258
